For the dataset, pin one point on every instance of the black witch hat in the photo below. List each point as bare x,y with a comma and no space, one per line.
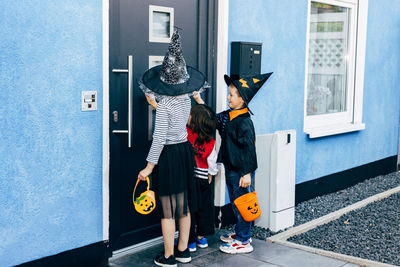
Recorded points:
173,77
248,86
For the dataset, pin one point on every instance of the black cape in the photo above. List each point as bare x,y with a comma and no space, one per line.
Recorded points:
238,151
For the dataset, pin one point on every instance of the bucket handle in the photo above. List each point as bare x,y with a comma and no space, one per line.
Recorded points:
138,180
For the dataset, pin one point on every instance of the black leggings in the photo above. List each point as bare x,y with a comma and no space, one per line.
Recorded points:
202,221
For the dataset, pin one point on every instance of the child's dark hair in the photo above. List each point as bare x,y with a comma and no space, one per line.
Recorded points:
203,122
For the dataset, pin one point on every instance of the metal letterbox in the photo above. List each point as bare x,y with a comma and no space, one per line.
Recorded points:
245,58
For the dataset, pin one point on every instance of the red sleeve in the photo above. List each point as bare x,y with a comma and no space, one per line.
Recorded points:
191,135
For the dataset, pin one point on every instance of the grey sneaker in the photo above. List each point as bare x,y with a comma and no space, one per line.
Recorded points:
229,237
236,247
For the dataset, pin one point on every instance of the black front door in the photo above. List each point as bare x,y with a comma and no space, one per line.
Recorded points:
139,38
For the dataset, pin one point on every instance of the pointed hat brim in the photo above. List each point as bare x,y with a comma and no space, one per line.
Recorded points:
151,80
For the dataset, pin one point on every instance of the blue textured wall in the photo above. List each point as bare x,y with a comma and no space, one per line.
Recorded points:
51,152
281,26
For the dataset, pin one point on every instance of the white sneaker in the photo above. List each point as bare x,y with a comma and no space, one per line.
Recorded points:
230,237
236,246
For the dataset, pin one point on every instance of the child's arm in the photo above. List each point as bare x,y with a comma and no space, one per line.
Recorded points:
146,171
152,101
245,180
212,164
157,145
160,132
222,119
197,98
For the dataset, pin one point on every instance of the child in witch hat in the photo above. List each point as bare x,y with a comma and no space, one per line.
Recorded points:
201,131
171,159
238,152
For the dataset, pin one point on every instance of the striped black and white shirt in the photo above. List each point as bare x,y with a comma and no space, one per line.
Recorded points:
170,127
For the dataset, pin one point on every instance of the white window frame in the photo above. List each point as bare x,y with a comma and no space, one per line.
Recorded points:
351,119
169,10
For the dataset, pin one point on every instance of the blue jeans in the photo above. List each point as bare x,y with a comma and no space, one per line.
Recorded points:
242,228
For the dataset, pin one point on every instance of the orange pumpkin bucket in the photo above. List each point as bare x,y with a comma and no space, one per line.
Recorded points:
248,206
146,202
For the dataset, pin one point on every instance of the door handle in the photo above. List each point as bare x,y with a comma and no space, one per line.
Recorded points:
129,71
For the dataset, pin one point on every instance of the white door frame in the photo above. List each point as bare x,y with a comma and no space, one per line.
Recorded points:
222,68
106,126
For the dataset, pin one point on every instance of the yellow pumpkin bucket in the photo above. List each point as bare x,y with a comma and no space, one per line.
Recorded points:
248,206
146,202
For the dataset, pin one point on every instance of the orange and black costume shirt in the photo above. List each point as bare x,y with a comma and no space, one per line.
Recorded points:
238,151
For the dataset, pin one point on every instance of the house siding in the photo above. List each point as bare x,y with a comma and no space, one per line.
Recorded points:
51,167
281,26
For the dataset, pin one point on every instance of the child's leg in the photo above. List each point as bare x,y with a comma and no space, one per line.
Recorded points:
205,224
192,235
169,206
168,231
242,228
229,185
184,229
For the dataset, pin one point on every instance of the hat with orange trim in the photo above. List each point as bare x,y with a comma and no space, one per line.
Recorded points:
247,86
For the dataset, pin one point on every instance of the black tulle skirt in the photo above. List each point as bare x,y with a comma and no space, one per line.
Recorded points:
173,181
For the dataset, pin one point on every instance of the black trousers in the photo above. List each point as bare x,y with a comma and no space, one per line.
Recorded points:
202,221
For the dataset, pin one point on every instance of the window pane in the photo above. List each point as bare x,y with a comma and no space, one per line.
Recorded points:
327,59
155,61
161,24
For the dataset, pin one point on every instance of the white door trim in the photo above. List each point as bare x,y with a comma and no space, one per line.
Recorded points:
222,54
222,89
106,112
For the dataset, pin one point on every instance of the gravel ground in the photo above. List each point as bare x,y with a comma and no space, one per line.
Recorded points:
320,206
371,232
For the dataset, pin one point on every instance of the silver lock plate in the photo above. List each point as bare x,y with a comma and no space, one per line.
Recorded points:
115,116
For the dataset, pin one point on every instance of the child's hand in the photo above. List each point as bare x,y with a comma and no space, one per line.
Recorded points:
146,171
197,98
245,181
151,100
209,178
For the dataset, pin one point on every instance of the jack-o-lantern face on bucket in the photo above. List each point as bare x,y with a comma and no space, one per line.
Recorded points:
145,203
248,206
253,209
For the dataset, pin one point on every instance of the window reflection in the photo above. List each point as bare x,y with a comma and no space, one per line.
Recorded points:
161,24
